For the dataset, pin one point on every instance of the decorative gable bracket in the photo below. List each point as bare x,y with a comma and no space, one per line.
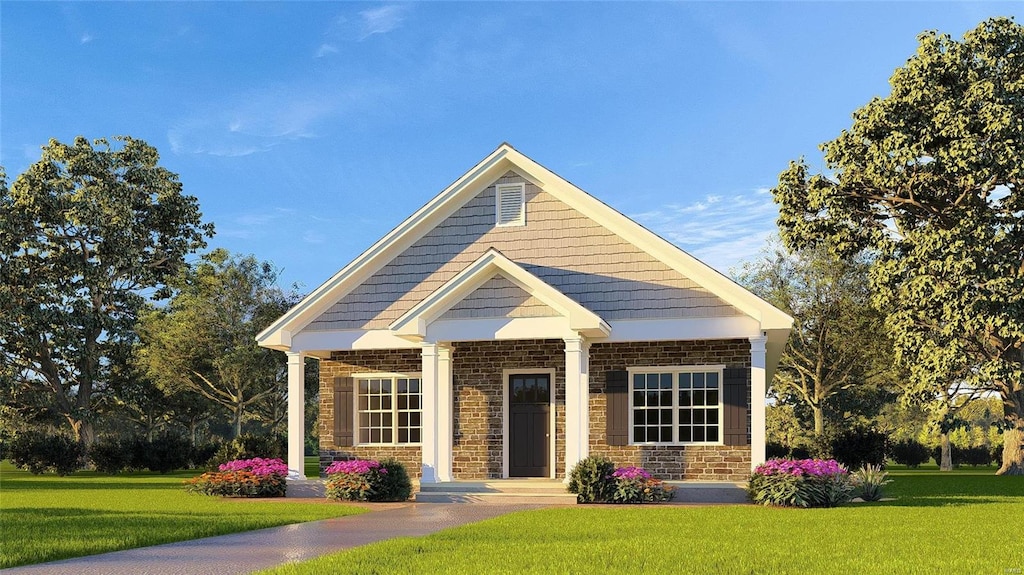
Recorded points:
413,324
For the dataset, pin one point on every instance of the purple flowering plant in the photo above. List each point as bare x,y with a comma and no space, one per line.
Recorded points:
257,465
631,473
800,483
360,466
368,480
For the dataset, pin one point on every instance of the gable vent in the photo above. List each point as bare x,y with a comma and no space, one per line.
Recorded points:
511,200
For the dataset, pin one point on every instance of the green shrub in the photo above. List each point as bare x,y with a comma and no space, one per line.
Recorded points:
868,482
910,453
853,447
774,450
591,479
997,454
38,453
162,454
368,480
956,455
975,456
800,483
248,446
394,485
112,455
200,455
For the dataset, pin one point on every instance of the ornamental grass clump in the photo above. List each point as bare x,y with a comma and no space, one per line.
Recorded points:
256,477
368,480
800,483
868,482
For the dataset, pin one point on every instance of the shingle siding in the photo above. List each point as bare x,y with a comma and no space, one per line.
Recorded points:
499,297
558,244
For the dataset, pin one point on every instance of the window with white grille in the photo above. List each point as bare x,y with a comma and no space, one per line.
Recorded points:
511,204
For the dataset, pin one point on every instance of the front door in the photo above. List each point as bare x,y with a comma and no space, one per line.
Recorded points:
529,411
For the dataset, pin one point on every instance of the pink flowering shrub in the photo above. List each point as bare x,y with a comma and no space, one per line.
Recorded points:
800,483
635,485
368,480
255,477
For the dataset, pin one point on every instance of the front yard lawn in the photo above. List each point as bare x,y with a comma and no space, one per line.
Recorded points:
969,521
45,517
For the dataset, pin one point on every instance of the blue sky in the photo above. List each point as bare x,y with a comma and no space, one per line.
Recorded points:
309,130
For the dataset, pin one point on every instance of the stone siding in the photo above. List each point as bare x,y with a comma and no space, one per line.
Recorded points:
478,370
705,462
344,364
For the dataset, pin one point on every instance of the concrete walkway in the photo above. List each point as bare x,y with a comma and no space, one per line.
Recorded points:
254,550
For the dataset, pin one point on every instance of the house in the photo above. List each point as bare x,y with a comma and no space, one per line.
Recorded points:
515,324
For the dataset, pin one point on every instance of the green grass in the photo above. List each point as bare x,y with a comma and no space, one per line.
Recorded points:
968,521
45,517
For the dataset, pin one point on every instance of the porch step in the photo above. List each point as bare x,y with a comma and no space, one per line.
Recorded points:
709,492
512,491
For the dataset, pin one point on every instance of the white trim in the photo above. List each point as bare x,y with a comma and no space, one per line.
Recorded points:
499,189
697,328
414,323
488,329
485,173
394,410
552,432
675,370
577,402
343,339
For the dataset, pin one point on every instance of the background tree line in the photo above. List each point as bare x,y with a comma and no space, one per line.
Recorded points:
113,324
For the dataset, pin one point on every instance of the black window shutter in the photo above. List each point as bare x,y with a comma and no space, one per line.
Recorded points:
734,398
617,417
344,389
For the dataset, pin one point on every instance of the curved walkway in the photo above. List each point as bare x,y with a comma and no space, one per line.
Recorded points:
253,550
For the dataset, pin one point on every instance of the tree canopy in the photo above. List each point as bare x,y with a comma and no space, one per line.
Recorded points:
928,179
85,232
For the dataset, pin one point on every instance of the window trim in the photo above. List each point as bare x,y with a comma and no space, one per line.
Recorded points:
521,221
675,370
393,376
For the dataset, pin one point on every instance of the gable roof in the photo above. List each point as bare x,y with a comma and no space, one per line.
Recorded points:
504,158
413,324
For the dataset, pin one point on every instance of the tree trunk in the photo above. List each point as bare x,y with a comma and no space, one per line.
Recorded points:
819,420
1013,435
238,420
83,430
947,456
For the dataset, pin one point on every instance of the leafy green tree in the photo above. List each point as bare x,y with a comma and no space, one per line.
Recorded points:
929,179
837,347
84,233
204,340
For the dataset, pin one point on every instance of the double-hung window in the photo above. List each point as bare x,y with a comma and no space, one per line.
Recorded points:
676,406
389,409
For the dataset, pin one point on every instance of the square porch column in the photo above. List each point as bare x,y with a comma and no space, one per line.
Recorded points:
436,444
577,402
758,392
296,415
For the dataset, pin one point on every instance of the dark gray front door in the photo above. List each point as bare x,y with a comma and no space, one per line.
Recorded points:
529,411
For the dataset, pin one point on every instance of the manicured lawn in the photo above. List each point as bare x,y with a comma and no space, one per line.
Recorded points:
969,521
45,517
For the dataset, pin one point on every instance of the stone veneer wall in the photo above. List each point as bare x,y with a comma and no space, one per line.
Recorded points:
343,364
478,368
705,463
478,371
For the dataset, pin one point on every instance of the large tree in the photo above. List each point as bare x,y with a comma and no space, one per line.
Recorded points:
837,346
929,179
204,340
85,234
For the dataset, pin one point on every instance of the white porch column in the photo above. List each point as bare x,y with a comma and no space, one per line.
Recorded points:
428,448
577,402
296,415
758,392
444,413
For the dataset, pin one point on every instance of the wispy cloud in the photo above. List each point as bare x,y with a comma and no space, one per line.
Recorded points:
381,20
326,49
86,38
260,120
722,231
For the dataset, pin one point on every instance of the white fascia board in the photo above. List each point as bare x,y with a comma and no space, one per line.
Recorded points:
394,243
687,265
349,339
487,329
735,327
415,323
